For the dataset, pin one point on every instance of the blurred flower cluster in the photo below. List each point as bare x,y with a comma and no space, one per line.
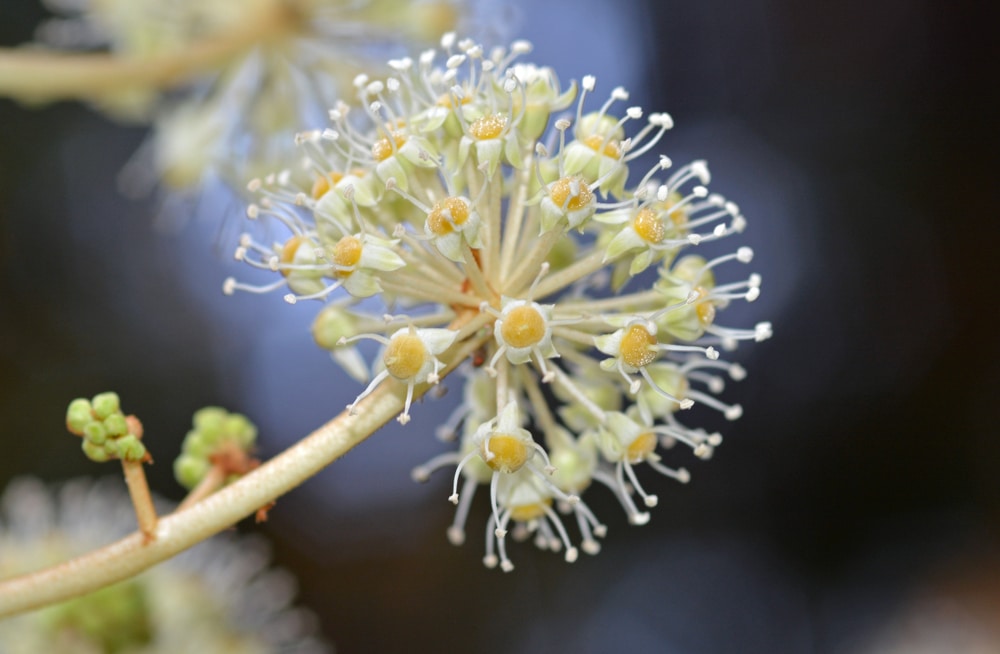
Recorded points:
494,212
217,597
242,74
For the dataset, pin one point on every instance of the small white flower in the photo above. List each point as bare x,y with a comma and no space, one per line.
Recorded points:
410,356
523,330
219,596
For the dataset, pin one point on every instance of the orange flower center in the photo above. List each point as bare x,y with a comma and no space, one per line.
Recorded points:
488,127
560,191
636,347
523,326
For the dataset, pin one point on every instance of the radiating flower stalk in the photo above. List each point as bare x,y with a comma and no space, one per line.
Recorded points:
481,200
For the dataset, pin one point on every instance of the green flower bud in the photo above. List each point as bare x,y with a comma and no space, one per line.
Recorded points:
97,453
563,254
116,425
78,415
113,619
95,432
241,430
130,448
214,428
331,324
105,404
190,470
196,444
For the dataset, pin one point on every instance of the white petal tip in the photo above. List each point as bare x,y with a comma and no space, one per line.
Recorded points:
456,536
639,518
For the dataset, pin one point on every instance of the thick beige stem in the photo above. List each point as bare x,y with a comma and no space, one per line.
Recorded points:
138,490
182,529
211,482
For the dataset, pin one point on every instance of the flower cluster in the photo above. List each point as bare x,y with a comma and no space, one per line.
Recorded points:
107,432
287,60
220,596
511,241
219,444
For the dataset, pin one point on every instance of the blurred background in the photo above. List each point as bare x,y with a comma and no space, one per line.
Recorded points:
854,507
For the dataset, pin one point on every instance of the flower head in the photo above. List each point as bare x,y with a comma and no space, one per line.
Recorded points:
251,71
512,245
218,596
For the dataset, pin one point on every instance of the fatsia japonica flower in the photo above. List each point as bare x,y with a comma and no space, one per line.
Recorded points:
220,596
248,72
499,213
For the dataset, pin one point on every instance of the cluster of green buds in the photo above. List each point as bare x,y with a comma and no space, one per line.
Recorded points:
107,432
219,441
506,224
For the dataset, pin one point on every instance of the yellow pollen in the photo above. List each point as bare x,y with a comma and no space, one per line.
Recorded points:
641,447
288,251
488,127
347,253
438,223
649,226
528,512
524,326
449,101
508,452
636,347
561,189
677,216
382,149
323,184
607,147
404,356
704,309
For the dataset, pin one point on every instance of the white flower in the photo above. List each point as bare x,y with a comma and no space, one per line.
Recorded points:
523,329
218,596
410,356
474,228
249,72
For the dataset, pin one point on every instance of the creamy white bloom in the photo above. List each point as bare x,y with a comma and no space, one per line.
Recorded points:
480,210
219,596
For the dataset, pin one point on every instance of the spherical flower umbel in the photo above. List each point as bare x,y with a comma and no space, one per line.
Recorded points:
219,596
251,70
511,244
